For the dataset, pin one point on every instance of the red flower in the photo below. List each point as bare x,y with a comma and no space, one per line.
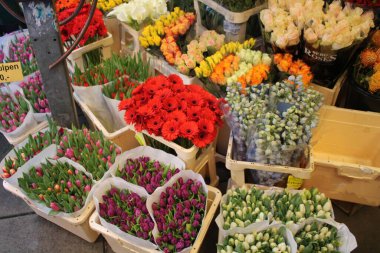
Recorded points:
203,139
154,124
162,82
189,129
178,116
194,100
182,106
170,104
130,115
164,93
207,114
170,130
175,79
195,89
138,90
206,125
155,104
140,100
126,104
145,111
193,112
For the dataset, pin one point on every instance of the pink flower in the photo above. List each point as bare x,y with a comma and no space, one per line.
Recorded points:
87,188
54,206
69,153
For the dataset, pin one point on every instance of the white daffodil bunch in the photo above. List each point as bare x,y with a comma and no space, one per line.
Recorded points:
291,208
316,237
270,240
245,206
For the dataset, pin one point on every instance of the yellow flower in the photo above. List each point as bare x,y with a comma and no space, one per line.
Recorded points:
157,40
144,42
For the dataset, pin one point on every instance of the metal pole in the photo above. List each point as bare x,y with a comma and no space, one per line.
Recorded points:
43,29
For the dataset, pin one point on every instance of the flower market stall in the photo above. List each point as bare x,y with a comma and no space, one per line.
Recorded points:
196,136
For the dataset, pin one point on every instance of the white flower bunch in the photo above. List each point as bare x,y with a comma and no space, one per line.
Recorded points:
291,208
274,120
270,240
316,237
245,206
135,12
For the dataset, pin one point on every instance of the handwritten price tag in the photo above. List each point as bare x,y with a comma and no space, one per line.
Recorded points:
294,182
10,72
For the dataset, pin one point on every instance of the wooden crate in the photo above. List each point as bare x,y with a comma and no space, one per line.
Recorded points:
347,156
331,95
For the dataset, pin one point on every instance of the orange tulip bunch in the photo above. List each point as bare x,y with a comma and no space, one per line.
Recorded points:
224,69
285,63
255,76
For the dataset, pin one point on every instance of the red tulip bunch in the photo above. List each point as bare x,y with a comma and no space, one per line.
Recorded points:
127,210
59,186
147,173
179,214
164,106
12,113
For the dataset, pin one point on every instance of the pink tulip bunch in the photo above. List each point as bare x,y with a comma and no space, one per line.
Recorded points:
12,113
90,149
147,173
33,91
128,211
59,186
179,214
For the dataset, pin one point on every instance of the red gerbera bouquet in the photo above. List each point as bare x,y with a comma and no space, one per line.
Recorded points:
164,106
71,30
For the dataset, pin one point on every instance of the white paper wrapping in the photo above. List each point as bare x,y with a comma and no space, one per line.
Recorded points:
92,96
117,115
155,197
29,123
154,154
36,161
346,238
101,189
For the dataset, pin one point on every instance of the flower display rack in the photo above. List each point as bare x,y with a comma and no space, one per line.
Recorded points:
237,167
346,154
76,57
331,95
124,137
119,245
79,226
161,66
236,24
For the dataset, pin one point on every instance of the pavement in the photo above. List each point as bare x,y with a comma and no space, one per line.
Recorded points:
23,231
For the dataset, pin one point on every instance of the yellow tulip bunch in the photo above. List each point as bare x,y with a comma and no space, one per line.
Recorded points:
206,67
152,34
107,5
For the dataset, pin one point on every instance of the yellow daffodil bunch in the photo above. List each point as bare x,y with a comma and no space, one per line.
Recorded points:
153,34
107,5
206,67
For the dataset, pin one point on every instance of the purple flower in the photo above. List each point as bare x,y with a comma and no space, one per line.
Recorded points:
193,234
195,223
197,216
186,236
111,211
180,245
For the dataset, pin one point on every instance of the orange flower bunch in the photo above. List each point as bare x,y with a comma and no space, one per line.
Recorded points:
255,76
224,69
65,4
170,49
180,26
285,63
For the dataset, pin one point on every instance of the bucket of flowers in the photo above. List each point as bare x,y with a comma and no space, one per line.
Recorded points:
166,110
96,42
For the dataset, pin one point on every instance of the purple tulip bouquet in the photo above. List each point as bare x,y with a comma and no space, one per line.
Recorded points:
178,209
122,209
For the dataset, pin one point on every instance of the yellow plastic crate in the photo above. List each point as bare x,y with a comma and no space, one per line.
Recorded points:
346,147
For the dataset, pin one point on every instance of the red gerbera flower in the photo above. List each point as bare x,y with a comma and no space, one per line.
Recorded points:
207,114
164,93
178,116
170,104
189,129
138,90
177,88
194,100
170,130
206,125
193,112
182,96
182,106
203,139
140,99
126,104
154,124
155,104
162,82
193,88
175,79
145,111
130,116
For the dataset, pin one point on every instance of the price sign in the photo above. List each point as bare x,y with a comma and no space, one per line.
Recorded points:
294,182
10,72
